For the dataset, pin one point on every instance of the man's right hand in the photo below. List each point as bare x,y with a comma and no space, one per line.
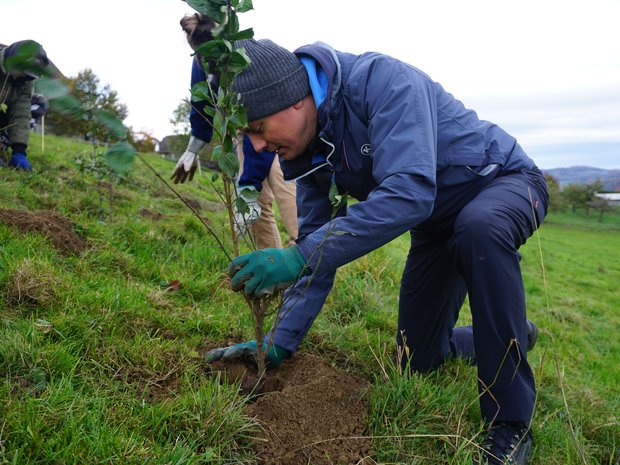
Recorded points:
185,167
245,352
188,162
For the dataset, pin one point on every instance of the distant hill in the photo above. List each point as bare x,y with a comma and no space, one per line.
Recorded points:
586,175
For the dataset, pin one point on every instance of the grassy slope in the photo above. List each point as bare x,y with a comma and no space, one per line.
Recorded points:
101,365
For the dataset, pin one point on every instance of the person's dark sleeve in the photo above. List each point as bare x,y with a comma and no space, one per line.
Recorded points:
199,121
19,118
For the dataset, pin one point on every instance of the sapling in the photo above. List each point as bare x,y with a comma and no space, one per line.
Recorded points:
228,118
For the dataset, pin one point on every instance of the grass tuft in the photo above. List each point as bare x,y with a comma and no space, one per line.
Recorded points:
33,283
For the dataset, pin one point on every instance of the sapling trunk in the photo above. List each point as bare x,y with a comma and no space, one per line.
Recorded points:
228,200
258,307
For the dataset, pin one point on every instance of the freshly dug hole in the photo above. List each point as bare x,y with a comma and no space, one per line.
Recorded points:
310,412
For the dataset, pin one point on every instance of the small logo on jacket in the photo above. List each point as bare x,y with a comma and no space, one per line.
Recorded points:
366,150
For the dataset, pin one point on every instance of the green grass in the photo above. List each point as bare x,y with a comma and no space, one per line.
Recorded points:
99,365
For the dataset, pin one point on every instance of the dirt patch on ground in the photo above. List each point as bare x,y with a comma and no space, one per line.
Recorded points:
57,228
200,204
152,215
310,412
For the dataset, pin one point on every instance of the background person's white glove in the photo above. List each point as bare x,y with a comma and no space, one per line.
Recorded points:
246,207
188,162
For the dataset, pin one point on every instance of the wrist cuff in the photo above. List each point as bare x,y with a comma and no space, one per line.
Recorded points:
195,145
19,148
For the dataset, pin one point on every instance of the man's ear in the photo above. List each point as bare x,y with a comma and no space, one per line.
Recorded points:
306,101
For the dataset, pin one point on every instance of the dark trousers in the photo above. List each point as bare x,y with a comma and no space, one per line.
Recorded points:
469,247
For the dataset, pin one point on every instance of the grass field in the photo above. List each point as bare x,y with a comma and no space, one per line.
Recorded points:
99,365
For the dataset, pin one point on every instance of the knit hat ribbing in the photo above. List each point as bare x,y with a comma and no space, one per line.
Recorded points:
275,79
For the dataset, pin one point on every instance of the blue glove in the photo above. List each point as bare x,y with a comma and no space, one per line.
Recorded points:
263,271
246,352
20,162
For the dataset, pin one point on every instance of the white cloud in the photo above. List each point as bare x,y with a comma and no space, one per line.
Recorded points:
547,71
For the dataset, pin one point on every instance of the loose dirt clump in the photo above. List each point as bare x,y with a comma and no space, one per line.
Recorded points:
57,228
309,411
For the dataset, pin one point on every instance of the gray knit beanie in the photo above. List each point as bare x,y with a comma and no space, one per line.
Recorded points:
275,79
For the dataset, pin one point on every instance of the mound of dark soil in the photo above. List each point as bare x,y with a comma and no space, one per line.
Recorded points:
309,412
57,228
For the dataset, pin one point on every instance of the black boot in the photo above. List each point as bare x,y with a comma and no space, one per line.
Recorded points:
507,443
532,335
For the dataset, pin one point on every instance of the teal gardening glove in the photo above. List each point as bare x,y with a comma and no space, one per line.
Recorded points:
246,352
263,271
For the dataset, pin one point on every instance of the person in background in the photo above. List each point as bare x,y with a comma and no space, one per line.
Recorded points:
259,171
38,109
20,64
418,161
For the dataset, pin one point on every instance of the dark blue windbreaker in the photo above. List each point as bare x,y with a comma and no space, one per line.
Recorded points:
392,138
256,166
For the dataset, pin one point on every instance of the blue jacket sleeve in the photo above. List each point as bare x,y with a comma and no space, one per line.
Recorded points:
256,166
199,121
400,107
302,302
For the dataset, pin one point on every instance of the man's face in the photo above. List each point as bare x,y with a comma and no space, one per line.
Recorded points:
287,132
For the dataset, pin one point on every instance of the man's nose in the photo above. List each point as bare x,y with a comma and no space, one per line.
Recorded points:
259,144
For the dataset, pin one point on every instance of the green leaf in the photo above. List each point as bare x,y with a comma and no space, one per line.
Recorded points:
68,105
229,164
111,121
239,60
335,198
51,88
216,153
215,177
201,91
211,8
218,123
240,117
245,5
333,193
245,34
242,206
248,193
25,60
3,107
120,157
216,49
233,24
209,110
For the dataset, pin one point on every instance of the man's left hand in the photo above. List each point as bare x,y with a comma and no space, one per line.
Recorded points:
20,162
246,352
264,271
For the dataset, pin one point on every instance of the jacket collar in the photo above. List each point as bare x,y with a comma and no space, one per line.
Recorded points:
323,71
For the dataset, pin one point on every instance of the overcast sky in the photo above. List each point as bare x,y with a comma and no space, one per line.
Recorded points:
548,71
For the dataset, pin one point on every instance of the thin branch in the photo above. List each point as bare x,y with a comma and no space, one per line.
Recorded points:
180,197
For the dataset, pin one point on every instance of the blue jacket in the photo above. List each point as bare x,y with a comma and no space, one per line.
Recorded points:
256,166
392,138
